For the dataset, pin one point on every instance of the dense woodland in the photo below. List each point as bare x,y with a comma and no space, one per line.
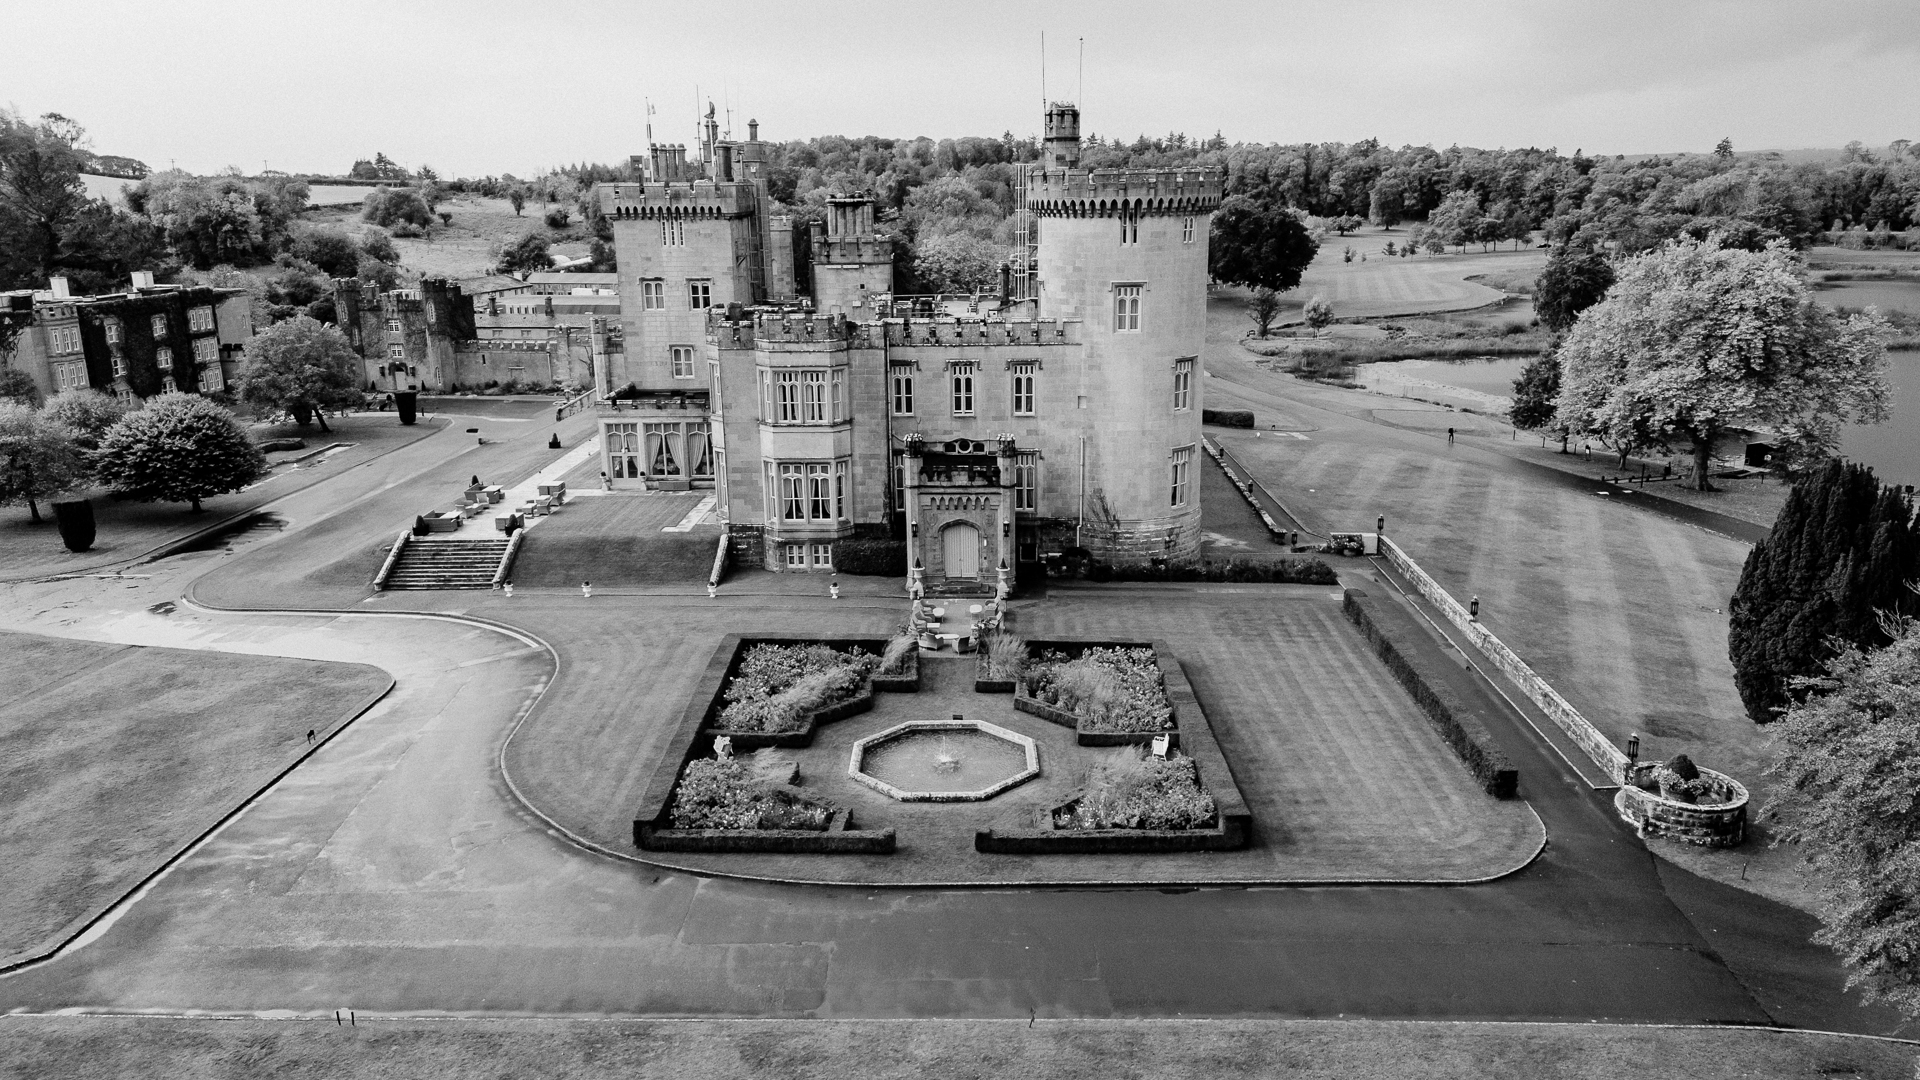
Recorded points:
948,202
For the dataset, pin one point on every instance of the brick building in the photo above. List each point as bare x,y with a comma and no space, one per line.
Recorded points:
438,337
983,431
151,339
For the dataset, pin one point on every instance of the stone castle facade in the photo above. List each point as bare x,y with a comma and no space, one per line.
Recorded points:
983,431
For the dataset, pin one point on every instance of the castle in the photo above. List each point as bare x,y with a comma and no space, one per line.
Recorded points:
983,431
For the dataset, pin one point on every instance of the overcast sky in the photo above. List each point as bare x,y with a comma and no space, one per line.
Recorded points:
483,87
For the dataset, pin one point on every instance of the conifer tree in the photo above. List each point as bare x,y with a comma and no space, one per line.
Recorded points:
1841,551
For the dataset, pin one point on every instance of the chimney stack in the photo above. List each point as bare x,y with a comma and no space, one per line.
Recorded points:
59,284
142,279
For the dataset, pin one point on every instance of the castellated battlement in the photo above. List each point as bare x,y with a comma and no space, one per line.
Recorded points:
1106,192
698,198
791,328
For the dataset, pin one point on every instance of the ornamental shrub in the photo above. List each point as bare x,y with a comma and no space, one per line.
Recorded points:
872,558
1135,790
894,660
1112,689
776,687
1005,655
721,793
179,448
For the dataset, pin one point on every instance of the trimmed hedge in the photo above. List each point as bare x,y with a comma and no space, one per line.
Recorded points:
1234,571
1454,718
1227,417
870,558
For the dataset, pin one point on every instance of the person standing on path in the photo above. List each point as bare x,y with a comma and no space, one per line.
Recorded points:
507,587
1449,436
586,590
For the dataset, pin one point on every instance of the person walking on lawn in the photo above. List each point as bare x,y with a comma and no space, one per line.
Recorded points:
586,590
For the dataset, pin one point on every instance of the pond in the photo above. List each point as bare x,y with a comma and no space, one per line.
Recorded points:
1892,448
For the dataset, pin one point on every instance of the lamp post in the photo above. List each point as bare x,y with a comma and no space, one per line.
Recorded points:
1473,607
1380,525
1633,747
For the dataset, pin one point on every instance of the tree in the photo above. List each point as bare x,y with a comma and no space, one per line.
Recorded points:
302,366
1841,550
1575,278
40,195
1259,246
86,414
528,253
1724,149
1534,393
17,385
517,195
1457,220
1319,312
1263,307
329,248
1696,340
37,458
957,262
1849,794
385,206
179,448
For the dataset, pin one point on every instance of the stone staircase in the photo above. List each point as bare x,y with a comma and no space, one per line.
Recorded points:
445,562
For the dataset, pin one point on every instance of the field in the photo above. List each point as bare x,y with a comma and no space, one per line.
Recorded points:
117,756
1374,285
470,246
160,1048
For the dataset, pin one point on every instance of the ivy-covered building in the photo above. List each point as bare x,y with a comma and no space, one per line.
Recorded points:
151,339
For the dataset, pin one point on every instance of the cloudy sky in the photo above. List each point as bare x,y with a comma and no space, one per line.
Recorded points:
483,87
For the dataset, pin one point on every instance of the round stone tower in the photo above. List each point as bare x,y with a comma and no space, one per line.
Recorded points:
1125,252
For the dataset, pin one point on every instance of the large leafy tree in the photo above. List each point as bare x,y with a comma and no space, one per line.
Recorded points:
300,365
1534,393
180,448
527,253
1695,340
1850,796
40,194
1259,245
37,457
1841,551
1576,277
87,415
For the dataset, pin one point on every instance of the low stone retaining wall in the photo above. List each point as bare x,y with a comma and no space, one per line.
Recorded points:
836,839
1612,761
1720,823
1454,718
1245,487
652,822
1227,834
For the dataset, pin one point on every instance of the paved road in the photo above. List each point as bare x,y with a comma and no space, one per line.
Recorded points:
395,874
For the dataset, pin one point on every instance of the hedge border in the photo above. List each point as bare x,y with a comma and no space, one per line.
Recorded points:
1455,718
652,829
1195,734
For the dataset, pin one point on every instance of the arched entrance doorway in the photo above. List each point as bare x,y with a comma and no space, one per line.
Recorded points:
960,550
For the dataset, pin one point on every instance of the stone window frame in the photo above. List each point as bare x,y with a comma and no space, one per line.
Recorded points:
699,294
1186,229
1183,384
1026,481
163,357
1025,391
680,361
902,390
1127,302
653,294
1181,475
960,376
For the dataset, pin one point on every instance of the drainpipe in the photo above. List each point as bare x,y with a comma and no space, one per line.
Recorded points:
1082,520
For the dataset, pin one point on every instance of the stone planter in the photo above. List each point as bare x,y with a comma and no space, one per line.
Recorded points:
1715,818
906,682
1086,736
744,741
1228,832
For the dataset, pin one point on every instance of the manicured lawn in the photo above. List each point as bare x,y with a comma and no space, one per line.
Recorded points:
52,1048
470,246
113,757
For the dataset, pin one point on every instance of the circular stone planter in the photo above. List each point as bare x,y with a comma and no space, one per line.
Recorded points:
944,761
1718,820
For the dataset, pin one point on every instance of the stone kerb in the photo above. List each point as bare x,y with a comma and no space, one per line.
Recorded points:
1564,716
856,762
1719,823
835,839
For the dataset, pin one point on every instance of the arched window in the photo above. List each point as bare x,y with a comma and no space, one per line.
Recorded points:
700,451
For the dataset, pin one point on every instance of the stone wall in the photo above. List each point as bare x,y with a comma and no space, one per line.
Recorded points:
1722,823
1612,761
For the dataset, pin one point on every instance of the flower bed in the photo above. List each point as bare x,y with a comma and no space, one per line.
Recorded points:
899,670
778,689
1110,690
1681,801
1140,791
722,793
1002,660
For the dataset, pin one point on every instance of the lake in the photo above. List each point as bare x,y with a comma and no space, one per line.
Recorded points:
1892,448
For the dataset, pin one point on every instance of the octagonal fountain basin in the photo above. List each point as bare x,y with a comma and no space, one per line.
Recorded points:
944,761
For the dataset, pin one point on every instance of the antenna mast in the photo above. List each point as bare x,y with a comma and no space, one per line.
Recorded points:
1043,71
1080,92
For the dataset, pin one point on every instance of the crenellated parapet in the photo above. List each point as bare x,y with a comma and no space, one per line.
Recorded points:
964,332
775,327
1111,192
698,199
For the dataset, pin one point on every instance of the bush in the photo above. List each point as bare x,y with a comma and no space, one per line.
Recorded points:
388,207
776,687
1006,655
1239,418
1135,790
721,793
894,660
1319,312
1111,689
871,558
558,218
